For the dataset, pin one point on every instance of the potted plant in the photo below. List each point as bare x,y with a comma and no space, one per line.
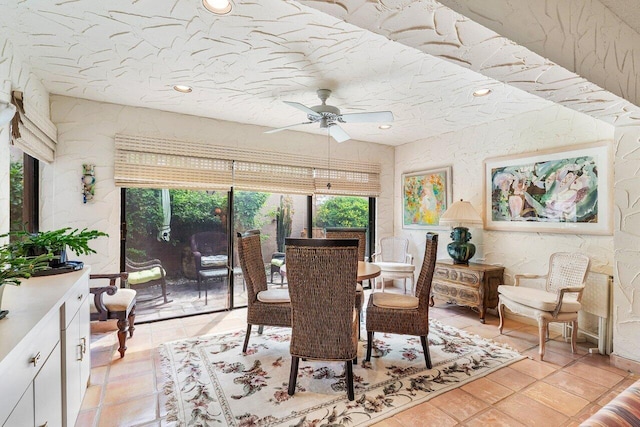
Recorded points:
14,267
56,242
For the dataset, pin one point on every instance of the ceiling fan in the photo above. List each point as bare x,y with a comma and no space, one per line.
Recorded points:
329,116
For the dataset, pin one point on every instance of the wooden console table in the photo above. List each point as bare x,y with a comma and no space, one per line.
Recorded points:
473,285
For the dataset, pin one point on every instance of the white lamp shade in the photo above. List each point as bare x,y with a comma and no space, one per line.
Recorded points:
461,213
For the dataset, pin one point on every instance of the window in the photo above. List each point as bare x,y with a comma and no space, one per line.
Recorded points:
23,192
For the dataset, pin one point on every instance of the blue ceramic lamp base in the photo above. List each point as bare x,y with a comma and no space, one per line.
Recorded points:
461,250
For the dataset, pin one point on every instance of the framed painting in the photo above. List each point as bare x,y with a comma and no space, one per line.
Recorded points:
569,190
426,195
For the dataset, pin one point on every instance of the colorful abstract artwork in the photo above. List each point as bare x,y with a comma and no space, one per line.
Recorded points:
426,195
560,191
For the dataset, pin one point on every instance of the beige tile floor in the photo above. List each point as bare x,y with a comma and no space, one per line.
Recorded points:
561,391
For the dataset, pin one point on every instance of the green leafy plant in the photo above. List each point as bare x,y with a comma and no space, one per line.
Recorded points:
14,267
55,241
343,211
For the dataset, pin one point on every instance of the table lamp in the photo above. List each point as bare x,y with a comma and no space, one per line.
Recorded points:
458,215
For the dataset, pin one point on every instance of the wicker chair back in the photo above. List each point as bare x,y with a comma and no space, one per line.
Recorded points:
350,233
250,256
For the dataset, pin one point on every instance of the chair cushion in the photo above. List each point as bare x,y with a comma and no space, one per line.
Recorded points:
214,261
538,299
277,262
397,301
395,266
274,296
144,276
118,302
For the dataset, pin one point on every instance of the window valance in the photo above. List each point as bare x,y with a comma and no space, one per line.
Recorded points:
163,163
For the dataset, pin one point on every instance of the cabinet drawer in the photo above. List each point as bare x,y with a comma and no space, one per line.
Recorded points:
467,277
79,293
456,292
20,367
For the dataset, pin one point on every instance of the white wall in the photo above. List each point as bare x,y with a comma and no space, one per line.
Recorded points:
466,150
86,132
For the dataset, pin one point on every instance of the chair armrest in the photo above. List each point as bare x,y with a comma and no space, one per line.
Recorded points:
571,290
409,259
99,291
374,256
517,277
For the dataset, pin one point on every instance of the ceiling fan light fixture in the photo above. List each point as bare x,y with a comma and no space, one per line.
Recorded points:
482,92
384,127
183,88
219,7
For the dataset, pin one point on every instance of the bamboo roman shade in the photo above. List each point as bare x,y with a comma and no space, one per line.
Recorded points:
163,163
31,132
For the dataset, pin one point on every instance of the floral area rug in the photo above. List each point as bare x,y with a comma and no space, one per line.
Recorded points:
211,383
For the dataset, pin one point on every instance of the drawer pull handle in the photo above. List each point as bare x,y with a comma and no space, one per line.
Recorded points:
35,359
81,353
46,423
80,297
84,344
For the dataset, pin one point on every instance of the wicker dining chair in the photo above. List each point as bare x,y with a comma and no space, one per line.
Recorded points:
405,314
322,284
559,301
265,307
359,233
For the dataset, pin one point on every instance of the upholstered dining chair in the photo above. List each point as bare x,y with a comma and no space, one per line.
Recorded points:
405,314
394,260
322,284
114,302
147,274
359,233
265,307
559,301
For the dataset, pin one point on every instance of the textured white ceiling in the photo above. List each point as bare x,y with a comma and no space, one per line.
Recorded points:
243,65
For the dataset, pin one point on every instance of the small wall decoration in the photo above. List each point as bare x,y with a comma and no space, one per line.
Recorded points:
425,197
568,190
88,182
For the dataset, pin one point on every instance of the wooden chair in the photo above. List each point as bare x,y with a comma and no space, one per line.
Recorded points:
359,233
322,284
394,260
405,314
559,301
147,274
113,302
270,307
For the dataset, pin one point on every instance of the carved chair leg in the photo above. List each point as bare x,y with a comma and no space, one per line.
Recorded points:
293,376
349,372
132,321
574,336
501,314
246,338
542,327
123,327
369,344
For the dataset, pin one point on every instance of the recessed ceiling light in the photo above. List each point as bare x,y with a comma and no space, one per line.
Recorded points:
182,88
482,92
219,7
384,127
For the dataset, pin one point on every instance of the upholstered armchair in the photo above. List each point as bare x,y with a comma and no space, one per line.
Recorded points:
559,301
210,253
270,307
405,314
322,284
114,302
277,261
394,260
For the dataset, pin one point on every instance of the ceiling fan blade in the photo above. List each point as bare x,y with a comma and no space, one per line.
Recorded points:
377,116
304,108
338,133
287,127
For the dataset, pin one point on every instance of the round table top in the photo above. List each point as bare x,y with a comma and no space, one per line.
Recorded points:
366,270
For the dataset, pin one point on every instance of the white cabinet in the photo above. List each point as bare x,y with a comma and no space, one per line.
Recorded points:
34,350
75,344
